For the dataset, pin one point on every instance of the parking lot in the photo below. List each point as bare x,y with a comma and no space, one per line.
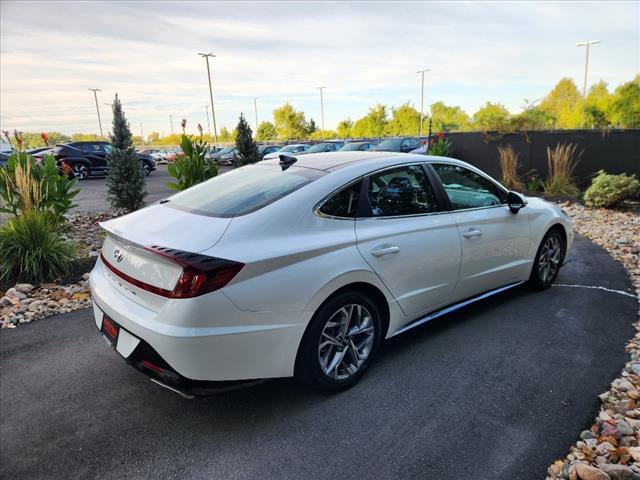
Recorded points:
494,391
93,191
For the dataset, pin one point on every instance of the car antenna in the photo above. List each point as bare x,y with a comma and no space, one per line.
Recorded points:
286,161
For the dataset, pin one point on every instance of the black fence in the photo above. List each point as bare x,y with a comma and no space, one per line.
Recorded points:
615,151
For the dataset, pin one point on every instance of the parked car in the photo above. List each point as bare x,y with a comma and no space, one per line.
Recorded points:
90,158
401,144
224,156
4,156
330,146
210,152
264,272
287,150
172,154
358,146
157,154
264,150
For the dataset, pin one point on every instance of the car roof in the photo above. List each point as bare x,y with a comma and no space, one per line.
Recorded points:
333,161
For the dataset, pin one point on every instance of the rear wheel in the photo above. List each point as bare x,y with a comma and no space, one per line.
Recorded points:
146,169
80,171
548,260
340,343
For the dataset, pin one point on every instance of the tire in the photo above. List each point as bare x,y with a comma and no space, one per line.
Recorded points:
147,170
80,171
548,261
328,342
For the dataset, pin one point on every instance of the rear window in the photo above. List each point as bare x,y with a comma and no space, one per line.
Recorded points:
243,191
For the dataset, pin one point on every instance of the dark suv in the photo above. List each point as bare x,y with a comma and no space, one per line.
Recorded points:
90,158
401,144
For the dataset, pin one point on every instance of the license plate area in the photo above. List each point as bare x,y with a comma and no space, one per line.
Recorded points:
110,331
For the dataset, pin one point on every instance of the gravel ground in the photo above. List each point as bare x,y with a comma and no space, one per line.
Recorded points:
610,449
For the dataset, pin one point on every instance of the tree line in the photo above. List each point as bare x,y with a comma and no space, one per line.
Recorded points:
562,108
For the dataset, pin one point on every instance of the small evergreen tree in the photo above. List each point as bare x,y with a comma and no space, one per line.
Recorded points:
247,147
126,179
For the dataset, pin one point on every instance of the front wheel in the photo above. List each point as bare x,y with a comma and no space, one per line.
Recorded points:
146,169
80,171
340,343
548,260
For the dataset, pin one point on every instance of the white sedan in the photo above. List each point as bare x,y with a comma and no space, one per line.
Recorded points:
303,266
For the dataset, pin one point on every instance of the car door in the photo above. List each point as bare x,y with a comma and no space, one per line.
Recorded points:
407,238
98,153
495,242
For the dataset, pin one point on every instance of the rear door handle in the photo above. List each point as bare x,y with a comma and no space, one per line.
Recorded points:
472,232
384,249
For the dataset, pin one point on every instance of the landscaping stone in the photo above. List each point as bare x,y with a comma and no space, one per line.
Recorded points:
612,451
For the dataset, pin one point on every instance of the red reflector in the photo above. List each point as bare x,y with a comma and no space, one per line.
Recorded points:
109,328
152,366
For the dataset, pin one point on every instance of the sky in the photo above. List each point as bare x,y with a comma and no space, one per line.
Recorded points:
364,53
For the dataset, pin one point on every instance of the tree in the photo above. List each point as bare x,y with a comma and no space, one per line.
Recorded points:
224,135
492,117
323,135
564,104
154,138
405,120
266,131
598,106
289,122
532,118
85,137
125,179
373,124
311,126
625,109
247,147
448,119
344,128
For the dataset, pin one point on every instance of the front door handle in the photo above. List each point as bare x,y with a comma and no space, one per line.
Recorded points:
472,232
384,249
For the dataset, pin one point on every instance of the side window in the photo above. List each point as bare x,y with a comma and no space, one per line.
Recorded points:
401,191
467,189
344,203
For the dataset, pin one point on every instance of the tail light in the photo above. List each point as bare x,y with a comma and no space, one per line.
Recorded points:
201,274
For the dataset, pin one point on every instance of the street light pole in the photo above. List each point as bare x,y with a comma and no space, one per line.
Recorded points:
255,109
422,72
206,107
322,108
171,120
213,111
141,132
95,96
586,43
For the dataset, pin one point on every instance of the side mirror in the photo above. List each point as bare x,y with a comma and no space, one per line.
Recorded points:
516,202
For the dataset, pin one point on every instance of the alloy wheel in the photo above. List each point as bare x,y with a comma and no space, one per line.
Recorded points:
346,342
549,260
80,171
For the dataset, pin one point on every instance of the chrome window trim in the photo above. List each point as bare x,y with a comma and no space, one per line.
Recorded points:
320,204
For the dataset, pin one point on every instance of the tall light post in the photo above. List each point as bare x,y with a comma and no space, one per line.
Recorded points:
141,132
586,43
422,72
213,111
255,110
95,97
322,108
171,120
206,107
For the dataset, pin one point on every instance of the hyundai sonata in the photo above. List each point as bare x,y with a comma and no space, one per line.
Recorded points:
302,266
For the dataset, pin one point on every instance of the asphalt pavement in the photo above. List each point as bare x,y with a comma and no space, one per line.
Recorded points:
494,391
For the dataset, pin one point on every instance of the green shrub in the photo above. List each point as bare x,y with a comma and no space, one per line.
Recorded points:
28,185
125,179
191,168
33,249
606,190
440,148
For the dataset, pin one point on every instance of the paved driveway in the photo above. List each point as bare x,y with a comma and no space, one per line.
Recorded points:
495,391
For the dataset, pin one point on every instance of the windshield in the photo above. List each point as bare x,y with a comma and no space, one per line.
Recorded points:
288,148
320,147
349,147
390,143
243,190
226,150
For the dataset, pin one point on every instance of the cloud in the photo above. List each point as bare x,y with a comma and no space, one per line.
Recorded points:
52,52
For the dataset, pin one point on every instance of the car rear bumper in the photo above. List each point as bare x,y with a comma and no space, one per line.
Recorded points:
205,338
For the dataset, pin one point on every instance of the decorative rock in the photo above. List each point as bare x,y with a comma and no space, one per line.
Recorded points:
587,472
604,448
619,472
624,428
586,434
24,287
